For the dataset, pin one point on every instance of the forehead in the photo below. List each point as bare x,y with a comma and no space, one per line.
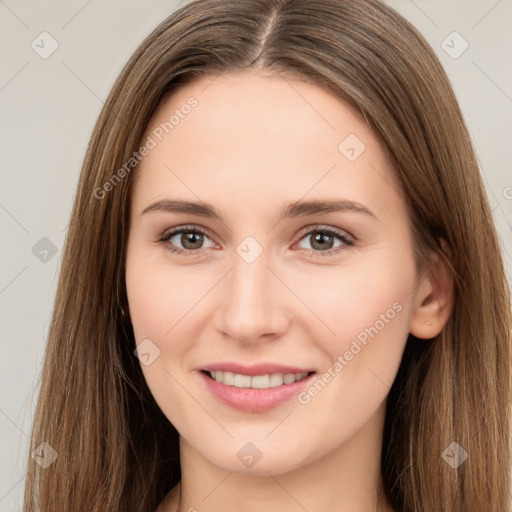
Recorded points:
259,136
250,106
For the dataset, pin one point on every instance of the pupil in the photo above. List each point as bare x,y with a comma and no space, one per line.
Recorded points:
191,238
318,239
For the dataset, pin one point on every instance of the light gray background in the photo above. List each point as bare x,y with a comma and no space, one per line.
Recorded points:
48,109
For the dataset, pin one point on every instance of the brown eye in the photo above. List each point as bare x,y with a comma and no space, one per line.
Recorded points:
324,242
185,239
191,240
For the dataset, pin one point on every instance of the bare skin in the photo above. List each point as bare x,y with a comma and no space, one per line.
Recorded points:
254,144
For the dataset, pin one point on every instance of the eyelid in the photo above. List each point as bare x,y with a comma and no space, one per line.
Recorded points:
169,233
329,228
348,241
347,238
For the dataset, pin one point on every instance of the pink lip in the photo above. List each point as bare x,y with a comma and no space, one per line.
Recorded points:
254,400
255,369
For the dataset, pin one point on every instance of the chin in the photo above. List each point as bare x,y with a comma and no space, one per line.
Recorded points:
258,457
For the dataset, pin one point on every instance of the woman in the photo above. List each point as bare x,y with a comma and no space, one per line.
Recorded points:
281,286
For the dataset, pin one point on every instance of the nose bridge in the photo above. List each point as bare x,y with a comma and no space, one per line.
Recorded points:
253,305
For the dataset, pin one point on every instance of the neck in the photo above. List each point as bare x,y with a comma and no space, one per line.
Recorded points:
347,479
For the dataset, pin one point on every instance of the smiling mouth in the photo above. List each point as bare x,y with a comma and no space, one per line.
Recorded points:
269,380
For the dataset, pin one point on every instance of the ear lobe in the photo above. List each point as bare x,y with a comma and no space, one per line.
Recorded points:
434,299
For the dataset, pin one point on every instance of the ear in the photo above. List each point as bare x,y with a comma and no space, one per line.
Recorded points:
434,300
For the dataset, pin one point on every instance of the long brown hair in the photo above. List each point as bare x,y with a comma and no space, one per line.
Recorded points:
116,449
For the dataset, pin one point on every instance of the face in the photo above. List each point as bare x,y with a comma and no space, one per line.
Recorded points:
234,267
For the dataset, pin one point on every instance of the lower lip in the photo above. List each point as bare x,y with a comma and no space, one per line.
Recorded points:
252,399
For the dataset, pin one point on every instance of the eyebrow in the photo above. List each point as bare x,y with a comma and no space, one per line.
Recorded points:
296,209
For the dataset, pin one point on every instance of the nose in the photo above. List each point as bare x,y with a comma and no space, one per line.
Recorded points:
253,302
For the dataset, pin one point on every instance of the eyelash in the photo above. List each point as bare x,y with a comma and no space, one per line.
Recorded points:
346,240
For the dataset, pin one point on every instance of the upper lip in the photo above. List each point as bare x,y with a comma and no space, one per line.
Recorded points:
255,369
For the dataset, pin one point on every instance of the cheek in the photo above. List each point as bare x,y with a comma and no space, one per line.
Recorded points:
161,298
369,311
350,299
160,295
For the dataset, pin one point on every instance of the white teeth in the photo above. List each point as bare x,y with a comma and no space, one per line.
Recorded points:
257,381
242,381
261,381
289,378
276,379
